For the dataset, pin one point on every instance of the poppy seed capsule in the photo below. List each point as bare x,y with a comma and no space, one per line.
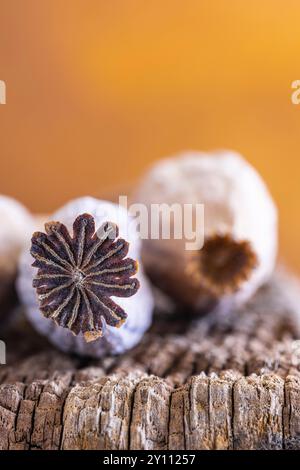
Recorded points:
80,283
239,229
15,229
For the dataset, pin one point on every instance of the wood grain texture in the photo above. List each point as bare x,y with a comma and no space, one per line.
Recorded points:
220,382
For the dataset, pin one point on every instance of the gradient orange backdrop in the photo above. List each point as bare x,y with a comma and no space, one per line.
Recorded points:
97,90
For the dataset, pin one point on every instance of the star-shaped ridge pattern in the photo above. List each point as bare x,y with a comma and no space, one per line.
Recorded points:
77,275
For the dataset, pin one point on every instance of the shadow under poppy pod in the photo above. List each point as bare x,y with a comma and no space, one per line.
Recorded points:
87,295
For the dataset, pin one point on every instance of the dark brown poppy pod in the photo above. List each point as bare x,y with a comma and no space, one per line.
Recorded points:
239,229
16,225
85,290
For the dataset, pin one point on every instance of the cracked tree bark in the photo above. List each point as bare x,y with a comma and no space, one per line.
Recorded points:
220,382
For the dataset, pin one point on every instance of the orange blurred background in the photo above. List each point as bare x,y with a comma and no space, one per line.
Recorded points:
97,90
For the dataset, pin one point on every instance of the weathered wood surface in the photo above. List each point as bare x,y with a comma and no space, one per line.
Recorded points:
221,382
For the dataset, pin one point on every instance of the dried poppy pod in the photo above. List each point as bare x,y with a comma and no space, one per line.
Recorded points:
84,290
16,225
239,229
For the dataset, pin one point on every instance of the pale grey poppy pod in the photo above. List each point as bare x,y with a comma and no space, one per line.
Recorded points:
239,229
16,225
88,211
